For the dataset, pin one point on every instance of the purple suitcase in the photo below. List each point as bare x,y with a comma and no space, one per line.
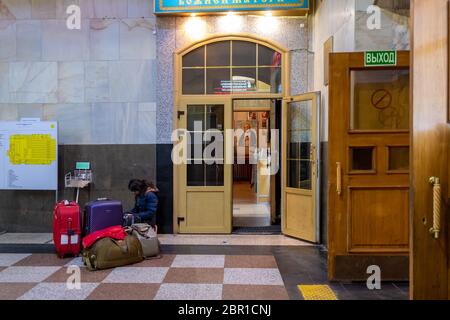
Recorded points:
101,214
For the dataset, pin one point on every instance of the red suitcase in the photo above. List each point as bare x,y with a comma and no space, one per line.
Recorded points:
67,228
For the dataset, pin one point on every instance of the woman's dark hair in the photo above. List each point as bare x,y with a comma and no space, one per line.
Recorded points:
140,185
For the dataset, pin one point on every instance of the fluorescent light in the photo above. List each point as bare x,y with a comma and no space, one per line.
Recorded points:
195,28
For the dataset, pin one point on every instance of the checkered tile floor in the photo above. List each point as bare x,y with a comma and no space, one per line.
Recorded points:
173,277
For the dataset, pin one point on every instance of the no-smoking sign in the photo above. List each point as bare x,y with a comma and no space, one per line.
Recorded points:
381,99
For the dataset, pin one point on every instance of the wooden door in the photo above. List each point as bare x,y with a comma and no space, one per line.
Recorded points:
368,168
300,160
205,178
430,141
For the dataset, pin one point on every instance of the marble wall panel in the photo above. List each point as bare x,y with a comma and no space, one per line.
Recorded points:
62,44
114,123
14,112
393,34
43,9
74,123
16,9
33,76
29,40
132,81
7,40
4,82
70,82
109,8
147,123
29,110
137,39
8,112
140,8
104,39
97,81
33,82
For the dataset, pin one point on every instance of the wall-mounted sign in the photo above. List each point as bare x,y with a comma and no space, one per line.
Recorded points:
215,6
380,58
83,166
28,155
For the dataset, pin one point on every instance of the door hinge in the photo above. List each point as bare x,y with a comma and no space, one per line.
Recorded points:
179,114
179,219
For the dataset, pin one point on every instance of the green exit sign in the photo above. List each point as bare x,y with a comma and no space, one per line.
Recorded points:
83,166
380,58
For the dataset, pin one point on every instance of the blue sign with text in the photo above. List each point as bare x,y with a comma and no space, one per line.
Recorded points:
204,6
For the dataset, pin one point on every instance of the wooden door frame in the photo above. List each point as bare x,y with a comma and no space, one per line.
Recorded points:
315,193
178,96
430,141
342,64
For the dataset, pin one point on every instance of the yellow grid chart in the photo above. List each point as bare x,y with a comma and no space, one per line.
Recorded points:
32,149
317,292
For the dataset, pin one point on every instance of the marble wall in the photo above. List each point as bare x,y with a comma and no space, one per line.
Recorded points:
98,82
394,32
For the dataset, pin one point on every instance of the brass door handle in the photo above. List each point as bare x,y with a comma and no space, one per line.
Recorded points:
436,229
338,178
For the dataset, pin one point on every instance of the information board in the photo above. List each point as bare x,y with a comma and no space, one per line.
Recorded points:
28,155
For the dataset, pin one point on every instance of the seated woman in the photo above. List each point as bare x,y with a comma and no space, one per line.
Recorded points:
146,201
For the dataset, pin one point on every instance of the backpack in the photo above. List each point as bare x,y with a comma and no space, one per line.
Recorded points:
148,238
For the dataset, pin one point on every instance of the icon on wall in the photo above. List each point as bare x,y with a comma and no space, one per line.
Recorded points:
252,116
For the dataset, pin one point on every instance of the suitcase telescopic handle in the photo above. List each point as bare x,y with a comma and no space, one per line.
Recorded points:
70,232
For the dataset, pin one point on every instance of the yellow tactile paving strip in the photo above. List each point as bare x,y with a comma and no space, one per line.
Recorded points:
317,292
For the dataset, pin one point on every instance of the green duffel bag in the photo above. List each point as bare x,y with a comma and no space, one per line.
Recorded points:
109,253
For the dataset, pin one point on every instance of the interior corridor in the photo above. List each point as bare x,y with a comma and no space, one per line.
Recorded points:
247,212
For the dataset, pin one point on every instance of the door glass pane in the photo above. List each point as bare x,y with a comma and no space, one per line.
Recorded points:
362,159
195,175
268,57
195,58
398,158
244,79
196,146
193,81
195,113
206,168
214,175
379,100
244,53
218,54
300,174
215,117
299,143
269,79
306,175
218,81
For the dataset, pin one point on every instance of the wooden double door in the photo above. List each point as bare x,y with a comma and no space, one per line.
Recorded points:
369,163
203,180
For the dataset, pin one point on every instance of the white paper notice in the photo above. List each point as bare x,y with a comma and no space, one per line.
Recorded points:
64,239
74,239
